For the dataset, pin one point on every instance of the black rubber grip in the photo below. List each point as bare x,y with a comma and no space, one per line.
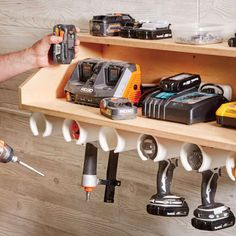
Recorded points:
164,177
209,186
90,160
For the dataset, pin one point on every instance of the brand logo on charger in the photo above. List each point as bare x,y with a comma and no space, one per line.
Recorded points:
190,81
86,90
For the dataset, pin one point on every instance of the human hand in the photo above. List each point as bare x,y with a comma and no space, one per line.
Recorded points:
40,49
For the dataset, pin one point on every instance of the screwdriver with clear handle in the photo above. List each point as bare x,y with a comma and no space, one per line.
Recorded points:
7,155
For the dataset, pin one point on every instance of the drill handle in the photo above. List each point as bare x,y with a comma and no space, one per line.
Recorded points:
209,186
90,160
165,176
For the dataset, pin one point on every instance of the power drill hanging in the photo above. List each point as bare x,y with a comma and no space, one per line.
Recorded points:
7,155
210,215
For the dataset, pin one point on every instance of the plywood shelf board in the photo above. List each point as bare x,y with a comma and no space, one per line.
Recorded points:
207,134
220,49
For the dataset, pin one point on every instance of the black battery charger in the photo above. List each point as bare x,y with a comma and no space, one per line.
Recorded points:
178,99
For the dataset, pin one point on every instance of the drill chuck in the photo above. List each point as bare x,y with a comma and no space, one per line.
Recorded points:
148,147
195,158
6,153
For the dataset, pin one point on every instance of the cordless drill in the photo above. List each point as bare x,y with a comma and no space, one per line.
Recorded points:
210,215
163,203
7,155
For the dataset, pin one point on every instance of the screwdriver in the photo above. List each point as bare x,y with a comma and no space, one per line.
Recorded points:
7,155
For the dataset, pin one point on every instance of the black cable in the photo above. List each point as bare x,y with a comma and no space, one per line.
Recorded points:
213,85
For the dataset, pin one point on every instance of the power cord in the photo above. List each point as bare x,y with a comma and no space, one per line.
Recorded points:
211,90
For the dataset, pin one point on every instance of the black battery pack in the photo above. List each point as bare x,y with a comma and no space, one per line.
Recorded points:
109,24
64,52
188,106
162,33
146,30
180,82
214,225
128,32
168,210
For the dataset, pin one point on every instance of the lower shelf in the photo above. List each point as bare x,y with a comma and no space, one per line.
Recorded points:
206,134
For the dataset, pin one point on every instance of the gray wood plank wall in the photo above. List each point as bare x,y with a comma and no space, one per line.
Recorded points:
55,205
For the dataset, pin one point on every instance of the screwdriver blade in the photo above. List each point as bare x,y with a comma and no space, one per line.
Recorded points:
88,196
29,167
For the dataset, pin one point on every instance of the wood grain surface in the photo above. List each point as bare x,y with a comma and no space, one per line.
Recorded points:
55,205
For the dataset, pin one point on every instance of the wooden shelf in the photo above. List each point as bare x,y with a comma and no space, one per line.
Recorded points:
43,92
220,49
207,134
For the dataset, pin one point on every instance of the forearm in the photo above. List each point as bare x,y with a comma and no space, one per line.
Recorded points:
36,56
15,63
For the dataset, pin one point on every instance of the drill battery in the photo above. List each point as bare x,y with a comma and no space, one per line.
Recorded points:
63,52
110,24
95,79
180,82
130,31
171,206
118,108
147,30
154,30
226,114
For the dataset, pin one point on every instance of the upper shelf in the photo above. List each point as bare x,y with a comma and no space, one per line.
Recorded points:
220,49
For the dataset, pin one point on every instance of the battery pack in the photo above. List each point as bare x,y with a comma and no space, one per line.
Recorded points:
188,106
146,30
109,24
226,114
64,52
118,108
128,32
180,82
169,211
154,34
214,225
